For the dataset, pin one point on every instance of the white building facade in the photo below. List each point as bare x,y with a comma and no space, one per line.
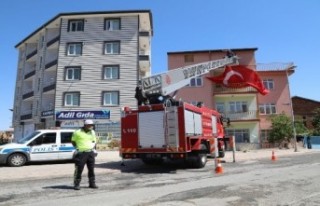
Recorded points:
82,65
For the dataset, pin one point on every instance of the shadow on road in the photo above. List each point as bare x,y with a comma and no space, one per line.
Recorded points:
137,166
64,187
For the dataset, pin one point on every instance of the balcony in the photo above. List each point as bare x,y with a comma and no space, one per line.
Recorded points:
26,114
30,74
48,88
52,42
240,116
217,90
32,55
144,61
27,95
51,64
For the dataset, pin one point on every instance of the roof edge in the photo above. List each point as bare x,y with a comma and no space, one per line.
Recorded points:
212,50
86,13
298,97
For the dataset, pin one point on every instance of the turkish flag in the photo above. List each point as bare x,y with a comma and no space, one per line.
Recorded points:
240,76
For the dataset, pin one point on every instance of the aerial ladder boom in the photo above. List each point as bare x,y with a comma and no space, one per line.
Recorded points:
166,83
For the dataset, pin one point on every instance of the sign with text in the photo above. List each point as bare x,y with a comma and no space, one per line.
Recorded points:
72,115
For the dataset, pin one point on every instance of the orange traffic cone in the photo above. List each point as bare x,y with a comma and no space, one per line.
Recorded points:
219,169
273,157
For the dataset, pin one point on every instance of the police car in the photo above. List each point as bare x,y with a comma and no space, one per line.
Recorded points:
41,145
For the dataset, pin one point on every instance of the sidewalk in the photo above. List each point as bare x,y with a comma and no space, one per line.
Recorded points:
265,153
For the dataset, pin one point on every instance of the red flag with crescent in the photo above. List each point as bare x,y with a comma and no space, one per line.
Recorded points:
240,76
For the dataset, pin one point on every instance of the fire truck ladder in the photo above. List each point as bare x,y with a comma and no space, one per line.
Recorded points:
171,124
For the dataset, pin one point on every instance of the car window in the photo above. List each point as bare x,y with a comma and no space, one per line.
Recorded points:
66,137
49,138
29,137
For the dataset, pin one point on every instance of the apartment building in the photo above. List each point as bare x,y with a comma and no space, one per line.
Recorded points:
82,65
247,109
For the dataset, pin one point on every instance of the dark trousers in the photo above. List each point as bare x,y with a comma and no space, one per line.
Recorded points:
81,159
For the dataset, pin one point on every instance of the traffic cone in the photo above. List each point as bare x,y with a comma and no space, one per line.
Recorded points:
273,157
219,169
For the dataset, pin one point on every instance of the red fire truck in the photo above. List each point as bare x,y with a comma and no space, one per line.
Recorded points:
164,128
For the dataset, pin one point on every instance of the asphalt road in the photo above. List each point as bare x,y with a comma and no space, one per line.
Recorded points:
254,179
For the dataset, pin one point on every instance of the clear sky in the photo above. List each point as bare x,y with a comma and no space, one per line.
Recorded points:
282,30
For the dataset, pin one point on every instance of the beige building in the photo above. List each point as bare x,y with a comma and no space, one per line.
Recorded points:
81,65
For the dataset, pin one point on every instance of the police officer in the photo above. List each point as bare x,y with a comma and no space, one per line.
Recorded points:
84,140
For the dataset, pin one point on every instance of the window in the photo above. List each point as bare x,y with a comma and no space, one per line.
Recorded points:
267,109
66,137
264,134
111,72
111,98
268,83
220,107
74,49
238,107
47,138
76,25
188,58
196,82
73,73
72,99
112,47
241,135
112,24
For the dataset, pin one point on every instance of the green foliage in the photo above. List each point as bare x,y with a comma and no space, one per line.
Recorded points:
281,129
316,122
300,128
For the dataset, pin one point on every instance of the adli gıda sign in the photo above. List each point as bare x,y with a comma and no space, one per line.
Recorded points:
73,115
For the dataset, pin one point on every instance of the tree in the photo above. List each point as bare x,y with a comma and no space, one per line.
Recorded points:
281,129
300,128
316,122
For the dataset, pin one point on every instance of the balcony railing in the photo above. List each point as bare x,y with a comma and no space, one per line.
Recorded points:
226,90
143,57
28,95
50,64
144,33
31,54
52,41
49,88
249,115
30,74
27,111
27,116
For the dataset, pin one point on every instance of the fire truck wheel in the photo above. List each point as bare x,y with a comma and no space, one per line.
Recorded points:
201,157
201,160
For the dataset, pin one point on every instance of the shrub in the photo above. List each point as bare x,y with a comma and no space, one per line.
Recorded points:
114,143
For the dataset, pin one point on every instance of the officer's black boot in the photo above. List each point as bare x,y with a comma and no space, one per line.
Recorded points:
92,183
77,184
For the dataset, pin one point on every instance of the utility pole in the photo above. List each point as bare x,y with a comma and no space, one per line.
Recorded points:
292,113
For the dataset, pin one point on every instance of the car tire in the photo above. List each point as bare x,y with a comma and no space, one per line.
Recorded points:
17,160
